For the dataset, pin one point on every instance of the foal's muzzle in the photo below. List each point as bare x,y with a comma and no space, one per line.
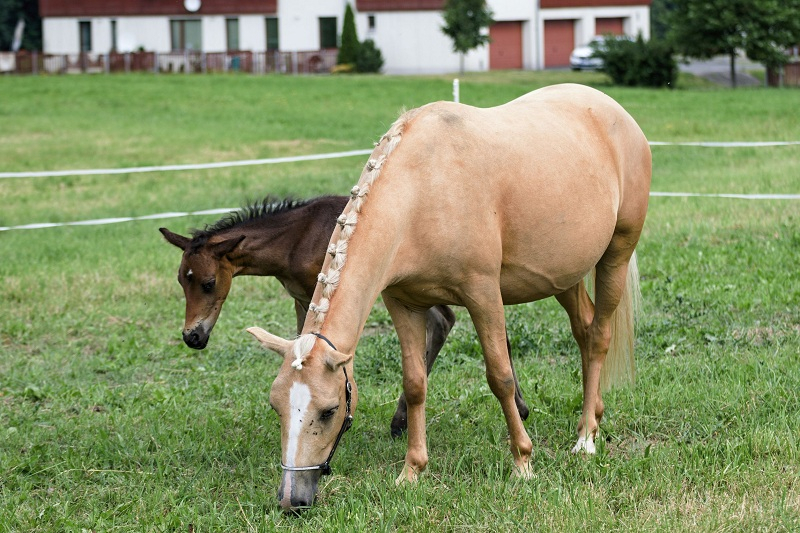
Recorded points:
195,338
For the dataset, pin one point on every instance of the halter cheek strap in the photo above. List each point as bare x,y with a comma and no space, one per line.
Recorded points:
325,467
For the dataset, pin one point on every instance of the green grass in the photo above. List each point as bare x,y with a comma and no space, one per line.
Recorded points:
109,423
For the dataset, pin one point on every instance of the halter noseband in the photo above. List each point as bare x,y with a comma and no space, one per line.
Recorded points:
325,467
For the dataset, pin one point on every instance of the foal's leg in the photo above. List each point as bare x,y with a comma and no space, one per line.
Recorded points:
410,327
486,310
439,321
300,310
610,279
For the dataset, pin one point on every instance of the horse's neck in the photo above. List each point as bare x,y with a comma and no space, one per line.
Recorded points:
364,275
266,251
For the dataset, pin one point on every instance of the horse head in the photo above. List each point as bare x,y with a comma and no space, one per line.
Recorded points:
314,396
205,274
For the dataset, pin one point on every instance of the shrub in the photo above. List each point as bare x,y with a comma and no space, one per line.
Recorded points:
369,57
639,63
348,51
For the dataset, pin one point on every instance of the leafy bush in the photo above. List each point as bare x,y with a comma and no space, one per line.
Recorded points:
369,57
638,63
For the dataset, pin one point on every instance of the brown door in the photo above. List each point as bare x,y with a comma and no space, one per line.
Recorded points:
505,49
559,41
614,26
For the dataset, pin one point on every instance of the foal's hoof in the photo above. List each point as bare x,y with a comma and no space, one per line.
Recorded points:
398,427
585,444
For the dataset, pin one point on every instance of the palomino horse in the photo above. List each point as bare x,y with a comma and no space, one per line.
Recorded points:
475,207
281,238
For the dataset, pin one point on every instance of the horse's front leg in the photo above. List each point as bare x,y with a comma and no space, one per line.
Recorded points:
410,327
486,310
439,321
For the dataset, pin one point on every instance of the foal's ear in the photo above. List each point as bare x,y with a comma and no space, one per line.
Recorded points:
177,240
221,249
336,360
271,342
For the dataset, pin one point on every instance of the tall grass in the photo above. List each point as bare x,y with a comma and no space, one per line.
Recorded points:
107,422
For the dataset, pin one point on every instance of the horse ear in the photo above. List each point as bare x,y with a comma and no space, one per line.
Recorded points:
177,240
221,249
335,360
271,342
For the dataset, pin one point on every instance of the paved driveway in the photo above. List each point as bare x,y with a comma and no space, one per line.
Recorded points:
718,69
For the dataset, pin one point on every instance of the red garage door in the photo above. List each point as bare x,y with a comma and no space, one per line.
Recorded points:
559,41
614,26
505,49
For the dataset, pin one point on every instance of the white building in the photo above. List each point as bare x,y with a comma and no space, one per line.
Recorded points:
531,35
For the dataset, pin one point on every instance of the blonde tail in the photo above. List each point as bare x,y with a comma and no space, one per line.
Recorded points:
620,366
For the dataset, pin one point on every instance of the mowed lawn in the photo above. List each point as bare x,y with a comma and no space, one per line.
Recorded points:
109,423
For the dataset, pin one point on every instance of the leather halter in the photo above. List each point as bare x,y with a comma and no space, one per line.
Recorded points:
325,467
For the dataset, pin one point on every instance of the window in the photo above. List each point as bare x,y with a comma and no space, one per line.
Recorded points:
186,35
272,34
113,35
232,30
327,32
85,30
371,22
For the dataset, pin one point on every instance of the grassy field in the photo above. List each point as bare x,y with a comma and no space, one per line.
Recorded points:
109,423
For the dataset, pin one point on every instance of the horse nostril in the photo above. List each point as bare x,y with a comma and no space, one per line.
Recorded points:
193,340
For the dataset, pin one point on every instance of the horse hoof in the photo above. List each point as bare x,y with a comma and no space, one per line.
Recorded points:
408,475
584,444
522,472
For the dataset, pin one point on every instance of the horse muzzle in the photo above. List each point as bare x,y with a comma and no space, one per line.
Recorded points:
196,338
298,490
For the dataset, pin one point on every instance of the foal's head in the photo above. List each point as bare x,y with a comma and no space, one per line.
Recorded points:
205,275
314,395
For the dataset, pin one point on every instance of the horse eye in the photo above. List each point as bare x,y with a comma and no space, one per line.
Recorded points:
328,414
208,286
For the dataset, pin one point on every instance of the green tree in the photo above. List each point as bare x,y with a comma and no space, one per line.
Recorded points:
464,21
763,29
659,17
11,11
348,51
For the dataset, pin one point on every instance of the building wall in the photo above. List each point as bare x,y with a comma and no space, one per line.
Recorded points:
413,43
410,41
636,20
298,22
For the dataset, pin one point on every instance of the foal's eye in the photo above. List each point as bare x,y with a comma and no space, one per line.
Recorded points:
208,286
328,414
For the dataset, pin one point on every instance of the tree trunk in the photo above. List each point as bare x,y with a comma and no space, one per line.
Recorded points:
733,69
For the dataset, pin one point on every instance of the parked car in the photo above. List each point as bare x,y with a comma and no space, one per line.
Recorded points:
582,58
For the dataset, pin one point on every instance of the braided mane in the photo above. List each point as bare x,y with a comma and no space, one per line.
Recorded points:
347,224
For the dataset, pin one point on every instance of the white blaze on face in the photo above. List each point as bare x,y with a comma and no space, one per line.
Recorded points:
299,399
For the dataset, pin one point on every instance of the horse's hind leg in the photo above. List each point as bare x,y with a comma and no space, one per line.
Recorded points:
610,279
580,309
439,321
486,310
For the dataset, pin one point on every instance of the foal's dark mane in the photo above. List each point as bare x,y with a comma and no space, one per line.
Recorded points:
256,211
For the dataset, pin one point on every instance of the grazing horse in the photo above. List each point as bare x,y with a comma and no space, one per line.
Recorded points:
281,238
476,207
